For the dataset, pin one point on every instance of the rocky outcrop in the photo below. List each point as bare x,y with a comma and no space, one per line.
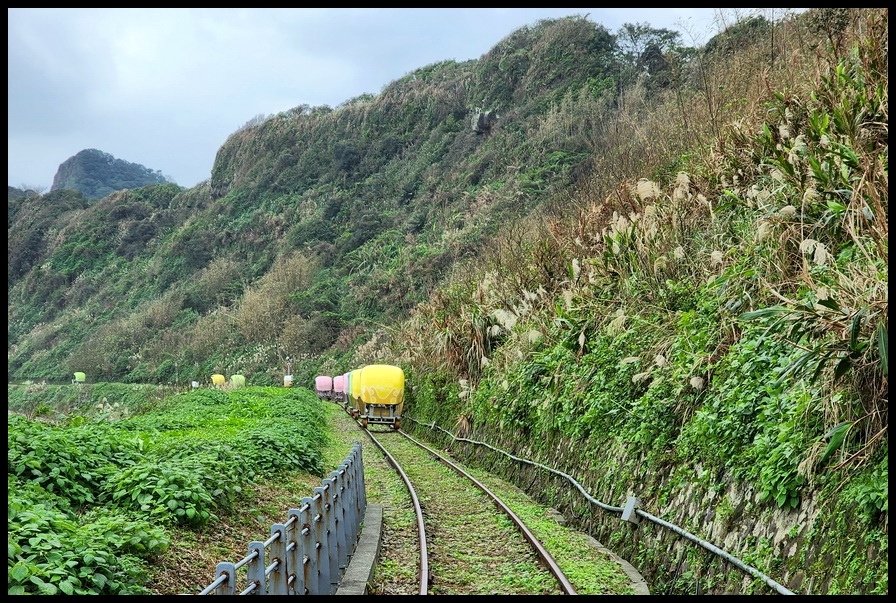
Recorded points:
483,121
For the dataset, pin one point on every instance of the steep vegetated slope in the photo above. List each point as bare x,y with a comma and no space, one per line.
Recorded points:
317,223
708,332
96,174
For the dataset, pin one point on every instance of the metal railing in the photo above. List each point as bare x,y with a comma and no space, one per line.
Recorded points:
308,553
630,512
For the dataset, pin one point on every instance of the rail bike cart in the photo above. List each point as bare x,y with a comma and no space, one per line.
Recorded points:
323,385
339,389
381,395
354,393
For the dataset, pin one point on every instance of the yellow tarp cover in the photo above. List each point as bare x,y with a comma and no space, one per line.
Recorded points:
355,377
80,377
354,391
382,384
218,379
238,380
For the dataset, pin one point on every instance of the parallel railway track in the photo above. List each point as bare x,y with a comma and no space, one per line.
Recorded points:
544,557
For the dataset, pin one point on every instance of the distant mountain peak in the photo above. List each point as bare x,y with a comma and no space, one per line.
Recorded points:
95,174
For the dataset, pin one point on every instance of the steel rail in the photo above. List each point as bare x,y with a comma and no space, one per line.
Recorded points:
418,511
547,559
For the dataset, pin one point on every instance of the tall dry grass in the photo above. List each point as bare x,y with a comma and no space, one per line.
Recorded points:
658,204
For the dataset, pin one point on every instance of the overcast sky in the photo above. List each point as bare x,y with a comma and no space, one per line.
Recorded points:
165,87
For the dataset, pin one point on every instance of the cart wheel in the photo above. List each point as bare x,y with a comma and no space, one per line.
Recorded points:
364,423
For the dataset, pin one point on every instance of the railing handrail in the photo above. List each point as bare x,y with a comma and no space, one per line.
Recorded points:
310,550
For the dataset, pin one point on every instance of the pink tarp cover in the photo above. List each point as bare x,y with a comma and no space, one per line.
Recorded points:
339,383
322,383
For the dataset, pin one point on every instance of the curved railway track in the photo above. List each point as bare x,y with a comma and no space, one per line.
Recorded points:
545,558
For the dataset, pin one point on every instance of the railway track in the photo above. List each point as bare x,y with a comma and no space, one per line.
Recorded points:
393,440
423,588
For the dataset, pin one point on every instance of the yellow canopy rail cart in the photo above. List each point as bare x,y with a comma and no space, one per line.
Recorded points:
238,381
381,395
218,380
355,392
349,401
79,378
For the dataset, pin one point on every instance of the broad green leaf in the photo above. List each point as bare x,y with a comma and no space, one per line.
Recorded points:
835,439
66,587
19,572
847,154
854,329
829,303
836,207
842,367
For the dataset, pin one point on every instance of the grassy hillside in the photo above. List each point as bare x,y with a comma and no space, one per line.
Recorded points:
316,225
716,320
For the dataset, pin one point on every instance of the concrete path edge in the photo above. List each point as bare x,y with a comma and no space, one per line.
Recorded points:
359,571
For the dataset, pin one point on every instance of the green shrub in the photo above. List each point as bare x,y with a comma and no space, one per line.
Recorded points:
53,551
71,462
168,490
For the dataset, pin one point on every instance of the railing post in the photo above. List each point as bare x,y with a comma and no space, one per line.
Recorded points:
229,587
329,559
295,554
349,503
362,490
277,584
255,570
310,561
358,487
340,497
321,541
358,481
